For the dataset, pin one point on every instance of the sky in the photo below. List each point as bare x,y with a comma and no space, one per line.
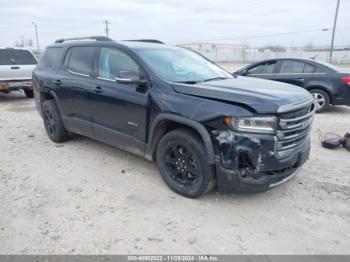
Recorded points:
251,22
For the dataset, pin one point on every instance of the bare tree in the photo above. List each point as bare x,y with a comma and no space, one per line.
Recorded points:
29,42
273,48
309,46
18,44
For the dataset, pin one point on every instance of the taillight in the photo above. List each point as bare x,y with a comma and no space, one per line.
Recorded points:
346,79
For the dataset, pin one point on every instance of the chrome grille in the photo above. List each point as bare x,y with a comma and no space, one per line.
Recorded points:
294,127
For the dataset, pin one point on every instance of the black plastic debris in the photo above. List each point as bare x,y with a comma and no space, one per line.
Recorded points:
331,140
346,142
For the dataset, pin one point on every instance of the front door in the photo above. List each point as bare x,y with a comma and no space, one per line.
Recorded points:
119,111
265,70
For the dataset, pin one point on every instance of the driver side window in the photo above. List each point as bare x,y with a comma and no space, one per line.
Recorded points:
115,63
263,68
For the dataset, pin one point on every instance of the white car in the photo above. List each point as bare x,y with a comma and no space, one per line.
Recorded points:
16,67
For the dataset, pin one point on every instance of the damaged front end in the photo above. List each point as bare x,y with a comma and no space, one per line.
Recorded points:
255,162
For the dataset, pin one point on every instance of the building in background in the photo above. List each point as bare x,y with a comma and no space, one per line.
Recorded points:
242,54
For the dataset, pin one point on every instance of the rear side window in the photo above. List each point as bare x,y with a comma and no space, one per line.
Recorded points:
50,57
16,57
309,68
81,59
292,67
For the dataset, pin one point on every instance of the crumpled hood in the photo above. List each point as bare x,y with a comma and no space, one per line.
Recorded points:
264,96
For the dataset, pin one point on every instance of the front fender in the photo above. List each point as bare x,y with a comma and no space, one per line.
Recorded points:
184,121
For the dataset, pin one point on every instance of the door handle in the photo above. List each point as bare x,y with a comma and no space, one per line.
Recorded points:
98,90
300,79
57,82
15,67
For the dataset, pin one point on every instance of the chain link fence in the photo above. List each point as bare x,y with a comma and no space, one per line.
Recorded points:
240,54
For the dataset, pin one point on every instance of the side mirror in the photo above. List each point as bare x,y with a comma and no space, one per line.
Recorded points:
130,78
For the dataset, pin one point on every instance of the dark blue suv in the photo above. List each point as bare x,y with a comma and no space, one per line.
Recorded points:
201,125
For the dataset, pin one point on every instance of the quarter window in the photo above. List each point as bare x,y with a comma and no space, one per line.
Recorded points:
264,68
81,59
50,57
115,63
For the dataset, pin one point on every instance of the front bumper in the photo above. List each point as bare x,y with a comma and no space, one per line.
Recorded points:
266,169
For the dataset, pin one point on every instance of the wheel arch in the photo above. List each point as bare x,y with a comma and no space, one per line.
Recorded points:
320,87
48,94
164,123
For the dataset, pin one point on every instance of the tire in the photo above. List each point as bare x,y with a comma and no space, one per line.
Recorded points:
53,123
321,99
183,163
29,93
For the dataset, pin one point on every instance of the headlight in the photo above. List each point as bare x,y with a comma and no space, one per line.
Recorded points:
265,125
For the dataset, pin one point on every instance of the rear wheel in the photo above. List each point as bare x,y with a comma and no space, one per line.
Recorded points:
183,164
53,123
321,99
29,93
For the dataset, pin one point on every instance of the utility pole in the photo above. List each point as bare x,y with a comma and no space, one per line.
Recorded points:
107,28
22,41
333,33
36,35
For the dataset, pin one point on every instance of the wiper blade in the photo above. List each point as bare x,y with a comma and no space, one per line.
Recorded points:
191,82
214,78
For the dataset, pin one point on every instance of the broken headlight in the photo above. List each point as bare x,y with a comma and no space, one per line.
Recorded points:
266,125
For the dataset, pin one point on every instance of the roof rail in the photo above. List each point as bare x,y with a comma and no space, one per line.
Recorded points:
146,41
97,38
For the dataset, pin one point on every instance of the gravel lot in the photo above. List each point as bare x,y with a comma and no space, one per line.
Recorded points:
84,197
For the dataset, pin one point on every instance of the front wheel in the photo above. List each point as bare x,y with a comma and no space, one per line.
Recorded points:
183,163
321,99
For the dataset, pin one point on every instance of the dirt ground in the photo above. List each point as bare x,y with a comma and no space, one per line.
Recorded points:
85,197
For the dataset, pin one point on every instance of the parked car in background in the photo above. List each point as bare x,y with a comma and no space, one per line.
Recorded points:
16,68
328,84
202,126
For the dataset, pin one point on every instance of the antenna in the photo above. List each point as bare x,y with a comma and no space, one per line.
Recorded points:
106,22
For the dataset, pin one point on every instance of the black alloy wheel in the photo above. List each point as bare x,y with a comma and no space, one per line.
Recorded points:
183,163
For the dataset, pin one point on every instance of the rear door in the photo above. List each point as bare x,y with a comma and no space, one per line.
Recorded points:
16,64
295,72
73,85
266,70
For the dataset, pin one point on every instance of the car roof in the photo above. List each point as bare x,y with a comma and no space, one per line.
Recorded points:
15,48
290,58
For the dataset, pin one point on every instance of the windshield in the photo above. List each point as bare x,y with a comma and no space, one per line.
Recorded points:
181,65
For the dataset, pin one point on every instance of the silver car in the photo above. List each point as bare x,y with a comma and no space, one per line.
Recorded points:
16,67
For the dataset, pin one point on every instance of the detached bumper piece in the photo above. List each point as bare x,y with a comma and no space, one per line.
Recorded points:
242,181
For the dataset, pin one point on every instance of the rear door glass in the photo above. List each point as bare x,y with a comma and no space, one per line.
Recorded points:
309,68
81,59
296,67
16,57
